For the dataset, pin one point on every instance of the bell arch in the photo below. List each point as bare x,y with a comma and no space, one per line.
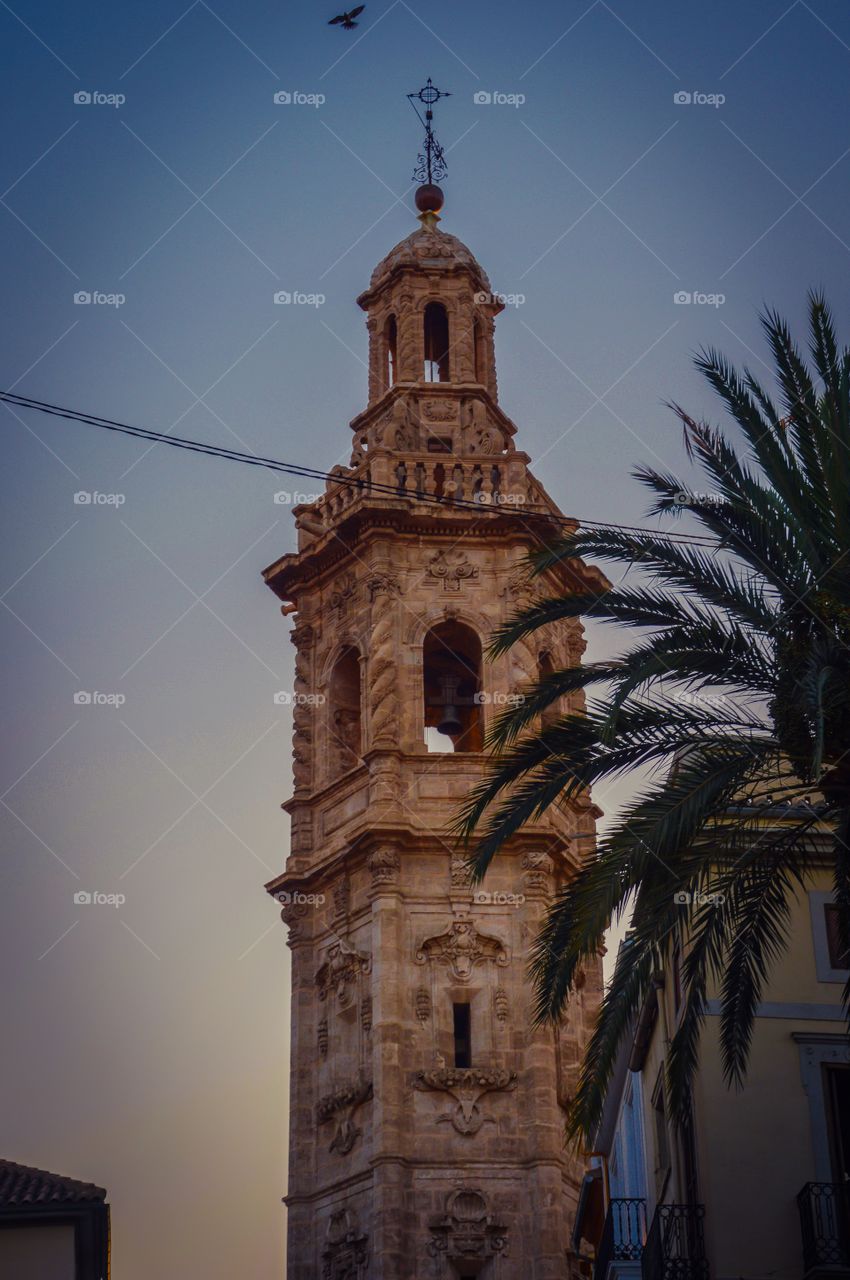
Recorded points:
452,687
435,324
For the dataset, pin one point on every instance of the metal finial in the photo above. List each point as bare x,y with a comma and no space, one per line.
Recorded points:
431,162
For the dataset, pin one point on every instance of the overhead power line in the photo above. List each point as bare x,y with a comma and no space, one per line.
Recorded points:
312,473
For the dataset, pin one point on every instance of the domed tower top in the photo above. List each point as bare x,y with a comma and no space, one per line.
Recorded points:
429,304
430,313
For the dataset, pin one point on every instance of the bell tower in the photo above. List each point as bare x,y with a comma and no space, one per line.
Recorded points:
426,1110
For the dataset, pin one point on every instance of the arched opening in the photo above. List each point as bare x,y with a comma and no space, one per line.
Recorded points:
451,660
344,720
391,350
436,343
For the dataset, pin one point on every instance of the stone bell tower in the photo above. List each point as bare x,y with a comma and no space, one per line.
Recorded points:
426,1110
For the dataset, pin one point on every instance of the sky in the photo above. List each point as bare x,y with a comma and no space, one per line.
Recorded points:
603,159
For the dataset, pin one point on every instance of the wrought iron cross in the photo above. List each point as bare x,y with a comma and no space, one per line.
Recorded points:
431,162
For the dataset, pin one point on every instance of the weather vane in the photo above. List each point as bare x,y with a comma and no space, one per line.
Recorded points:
431,162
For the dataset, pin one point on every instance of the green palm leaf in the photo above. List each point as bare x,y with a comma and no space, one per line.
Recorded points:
736,692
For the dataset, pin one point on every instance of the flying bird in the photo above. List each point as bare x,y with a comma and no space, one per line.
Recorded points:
347,19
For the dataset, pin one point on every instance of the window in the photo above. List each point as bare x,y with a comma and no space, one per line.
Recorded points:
839,957
439,444
344,738
390,347
832,958
463,1034
662,1137
451,661
436,343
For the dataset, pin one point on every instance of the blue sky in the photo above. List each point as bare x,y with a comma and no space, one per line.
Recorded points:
148,1041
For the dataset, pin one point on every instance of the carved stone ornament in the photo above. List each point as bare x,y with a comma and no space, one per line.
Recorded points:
293,915
423,1004
341,1104
461,875
302,636
322,1036
500,1004
462,947
345,1255
340,971
342,593
340,894
467,1086
537,868
467,1229
439,410
451,568
384,863
519,587
366,1014
383,584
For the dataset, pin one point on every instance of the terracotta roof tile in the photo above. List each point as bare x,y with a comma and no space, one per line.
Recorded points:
22,1185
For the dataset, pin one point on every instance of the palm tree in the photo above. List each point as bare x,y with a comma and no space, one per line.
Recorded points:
737,692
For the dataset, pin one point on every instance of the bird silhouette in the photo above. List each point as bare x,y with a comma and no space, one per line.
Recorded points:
347,19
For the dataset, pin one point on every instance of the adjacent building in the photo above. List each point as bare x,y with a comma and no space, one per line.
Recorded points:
757,1187
51,1227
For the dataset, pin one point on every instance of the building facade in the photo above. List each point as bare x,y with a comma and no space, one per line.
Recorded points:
758,1186
427,1112
52,1227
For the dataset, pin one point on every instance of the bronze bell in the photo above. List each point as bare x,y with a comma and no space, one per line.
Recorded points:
450,722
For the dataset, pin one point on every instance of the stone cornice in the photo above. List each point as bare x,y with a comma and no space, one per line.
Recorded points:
373,516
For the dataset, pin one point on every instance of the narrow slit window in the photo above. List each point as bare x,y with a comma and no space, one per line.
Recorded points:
391,345
463,1034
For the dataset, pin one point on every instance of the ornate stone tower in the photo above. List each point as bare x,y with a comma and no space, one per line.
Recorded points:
426,1112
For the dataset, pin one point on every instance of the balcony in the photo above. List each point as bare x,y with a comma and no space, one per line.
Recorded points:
622,1240
675,1246
825,1226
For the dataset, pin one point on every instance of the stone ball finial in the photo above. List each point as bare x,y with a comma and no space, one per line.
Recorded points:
429,198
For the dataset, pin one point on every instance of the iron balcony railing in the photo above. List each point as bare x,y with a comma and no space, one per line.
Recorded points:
675,1245
623,1235
825,1224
